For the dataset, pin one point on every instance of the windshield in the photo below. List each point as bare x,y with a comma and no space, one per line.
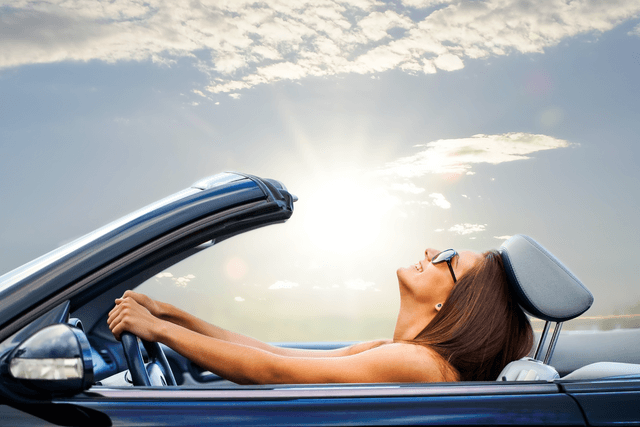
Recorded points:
251,285
400,125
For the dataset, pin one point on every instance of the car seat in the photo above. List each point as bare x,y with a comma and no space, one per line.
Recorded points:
547,290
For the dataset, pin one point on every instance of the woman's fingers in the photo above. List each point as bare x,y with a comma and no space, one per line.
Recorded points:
115,321
144,301
115,328
116,309
115,317
119,325
130,316
118,301
112,315
139,298
118,328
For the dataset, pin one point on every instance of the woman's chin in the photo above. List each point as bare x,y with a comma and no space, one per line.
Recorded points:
403,273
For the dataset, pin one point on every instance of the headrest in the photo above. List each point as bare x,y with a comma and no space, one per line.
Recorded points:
545,288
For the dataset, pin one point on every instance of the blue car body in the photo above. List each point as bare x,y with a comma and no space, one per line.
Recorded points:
80,281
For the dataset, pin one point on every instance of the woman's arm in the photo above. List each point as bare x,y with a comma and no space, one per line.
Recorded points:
179,317
250,365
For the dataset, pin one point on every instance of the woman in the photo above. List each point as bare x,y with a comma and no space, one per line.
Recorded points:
457,322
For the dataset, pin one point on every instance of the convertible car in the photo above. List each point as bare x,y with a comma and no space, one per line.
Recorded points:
59,364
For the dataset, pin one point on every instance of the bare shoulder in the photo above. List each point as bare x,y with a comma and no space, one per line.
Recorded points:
365,345
415,363
385,362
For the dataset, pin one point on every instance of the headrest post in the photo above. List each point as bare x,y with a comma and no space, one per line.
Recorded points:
543,338
552,344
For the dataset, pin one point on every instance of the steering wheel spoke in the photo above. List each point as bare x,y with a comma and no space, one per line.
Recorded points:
158,362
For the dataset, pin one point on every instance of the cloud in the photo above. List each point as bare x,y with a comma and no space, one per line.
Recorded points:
437,199
464,229
407,187
284,284
243,43
180,282
456,156
239,299
165,274
635,31
375,26
440,201
421,4
505,237
448,62
358,284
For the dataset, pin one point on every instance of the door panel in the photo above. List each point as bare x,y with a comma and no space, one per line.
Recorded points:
607,402
321,405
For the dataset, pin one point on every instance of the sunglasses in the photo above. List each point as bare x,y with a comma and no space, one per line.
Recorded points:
446,256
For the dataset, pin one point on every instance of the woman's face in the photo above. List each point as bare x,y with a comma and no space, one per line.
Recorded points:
429,283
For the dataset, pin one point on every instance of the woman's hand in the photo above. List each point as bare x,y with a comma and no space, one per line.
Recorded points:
129,316
154,307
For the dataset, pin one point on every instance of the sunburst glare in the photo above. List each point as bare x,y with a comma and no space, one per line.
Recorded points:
345,216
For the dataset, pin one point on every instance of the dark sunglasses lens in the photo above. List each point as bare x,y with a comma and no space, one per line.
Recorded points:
443,256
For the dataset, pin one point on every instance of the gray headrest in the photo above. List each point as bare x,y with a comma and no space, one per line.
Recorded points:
545,288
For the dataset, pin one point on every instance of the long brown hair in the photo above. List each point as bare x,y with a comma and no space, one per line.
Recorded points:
481,327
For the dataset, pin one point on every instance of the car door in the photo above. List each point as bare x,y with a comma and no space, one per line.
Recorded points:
536,403
608,401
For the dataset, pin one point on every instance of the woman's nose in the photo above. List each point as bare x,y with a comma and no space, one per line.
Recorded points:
429,251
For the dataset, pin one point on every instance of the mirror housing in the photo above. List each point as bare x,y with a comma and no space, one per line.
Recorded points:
55,360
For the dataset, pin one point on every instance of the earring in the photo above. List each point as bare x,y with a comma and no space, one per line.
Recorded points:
438,306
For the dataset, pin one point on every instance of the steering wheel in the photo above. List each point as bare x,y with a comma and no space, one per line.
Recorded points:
156,373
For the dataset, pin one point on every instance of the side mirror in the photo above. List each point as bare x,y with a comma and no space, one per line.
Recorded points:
54,360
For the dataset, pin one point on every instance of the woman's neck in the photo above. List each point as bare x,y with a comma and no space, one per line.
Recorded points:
412,319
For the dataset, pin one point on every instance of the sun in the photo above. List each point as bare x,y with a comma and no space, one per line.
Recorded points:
345,216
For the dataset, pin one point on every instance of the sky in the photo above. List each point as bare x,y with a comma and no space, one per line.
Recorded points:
400,125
